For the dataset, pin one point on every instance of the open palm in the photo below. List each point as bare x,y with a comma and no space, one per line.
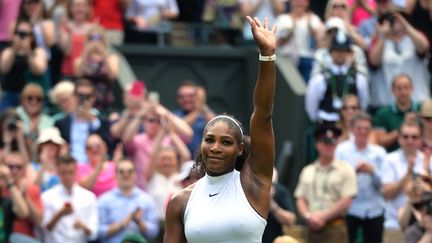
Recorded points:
264,37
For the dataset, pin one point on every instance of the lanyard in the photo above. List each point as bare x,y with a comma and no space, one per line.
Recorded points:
325,181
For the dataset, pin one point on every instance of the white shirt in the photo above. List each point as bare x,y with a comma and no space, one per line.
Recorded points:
394,169
317,87
219,212
160,187
84,207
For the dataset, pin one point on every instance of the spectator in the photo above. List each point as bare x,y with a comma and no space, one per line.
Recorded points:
62,95
194,110
109,14
226,18
421,230
20,63
165,162
425,116
76,127
32,114
340,9
367,209
361,10
70,211
140,145
367,28
399,167
281,211
298,36
100,67
190,11
73,34
387,120
398,48
133,99
13,206
12,135
260,9
31,195
323,57
325,91
98,175
8,14
44,34
323,209
49,145
126,209
144,18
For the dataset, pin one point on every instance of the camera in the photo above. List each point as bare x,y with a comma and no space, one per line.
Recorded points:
389,16
11,123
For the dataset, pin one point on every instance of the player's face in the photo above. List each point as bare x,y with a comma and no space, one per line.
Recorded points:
220,149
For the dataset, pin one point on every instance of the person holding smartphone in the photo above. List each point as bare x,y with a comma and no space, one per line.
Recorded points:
22,62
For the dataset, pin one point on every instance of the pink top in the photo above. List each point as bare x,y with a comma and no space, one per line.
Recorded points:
141,149
361,14
77,47
8,13
106,180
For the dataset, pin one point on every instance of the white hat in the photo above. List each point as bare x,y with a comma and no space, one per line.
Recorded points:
185,170
335,22
51,134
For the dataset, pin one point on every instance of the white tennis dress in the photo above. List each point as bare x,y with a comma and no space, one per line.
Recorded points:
218,211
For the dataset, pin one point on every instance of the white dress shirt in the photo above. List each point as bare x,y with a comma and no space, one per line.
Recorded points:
84,207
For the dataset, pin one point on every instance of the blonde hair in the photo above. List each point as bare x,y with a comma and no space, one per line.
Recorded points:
329,8
62,88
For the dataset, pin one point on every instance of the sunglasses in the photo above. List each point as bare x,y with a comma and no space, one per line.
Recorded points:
125,172
12,167
95,37
352,107
427,118
93,146
413,137
152,120
189,95
419,205
36,98
31,1
342,6
22,34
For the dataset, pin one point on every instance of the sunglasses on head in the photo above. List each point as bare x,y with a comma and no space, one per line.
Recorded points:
12,166
125,171
22,34
34,98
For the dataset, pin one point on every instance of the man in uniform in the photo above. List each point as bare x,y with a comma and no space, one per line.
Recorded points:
325,190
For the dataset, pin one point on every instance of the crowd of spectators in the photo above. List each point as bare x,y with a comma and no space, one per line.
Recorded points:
75,169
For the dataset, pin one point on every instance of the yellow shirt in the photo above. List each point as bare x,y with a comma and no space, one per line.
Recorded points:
322,186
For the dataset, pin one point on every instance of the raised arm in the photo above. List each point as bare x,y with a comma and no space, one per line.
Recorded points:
262,150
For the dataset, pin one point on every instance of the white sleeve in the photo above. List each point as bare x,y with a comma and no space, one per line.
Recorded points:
93,219
362,90
314,94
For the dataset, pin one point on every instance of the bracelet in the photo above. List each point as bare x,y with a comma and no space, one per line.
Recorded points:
271,58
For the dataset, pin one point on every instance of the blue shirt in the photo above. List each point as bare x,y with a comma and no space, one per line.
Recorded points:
198,128
80,131
114,206
369,202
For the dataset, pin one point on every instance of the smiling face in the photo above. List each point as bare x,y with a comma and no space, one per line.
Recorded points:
220,148
166,161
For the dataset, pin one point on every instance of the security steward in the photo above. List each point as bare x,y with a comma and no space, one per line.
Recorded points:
325,190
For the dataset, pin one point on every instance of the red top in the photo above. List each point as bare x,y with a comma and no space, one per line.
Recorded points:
108,13
77,47
25,225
